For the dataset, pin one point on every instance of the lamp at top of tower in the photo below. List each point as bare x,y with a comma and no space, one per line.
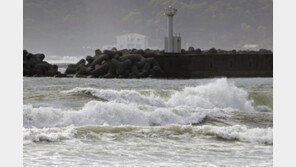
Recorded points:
170,11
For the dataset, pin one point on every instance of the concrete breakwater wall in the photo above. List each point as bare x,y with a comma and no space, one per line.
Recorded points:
156,64
216,65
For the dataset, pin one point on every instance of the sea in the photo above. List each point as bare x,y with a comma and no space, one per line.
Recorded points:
216,122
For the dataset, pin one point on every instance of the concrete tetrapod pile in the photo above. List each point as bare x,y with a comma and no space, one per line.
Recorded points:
116,64
34,65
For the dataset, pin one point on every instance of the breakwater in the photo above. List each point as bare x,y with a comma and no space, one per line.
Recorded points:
216,65
157,64
35,66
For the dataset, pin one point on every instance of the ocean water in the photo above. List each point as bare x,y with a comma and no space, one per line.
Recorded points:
148,122
63,61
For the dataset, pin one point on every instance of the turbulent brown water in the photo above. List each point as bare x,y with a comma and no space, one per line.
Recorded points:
148,122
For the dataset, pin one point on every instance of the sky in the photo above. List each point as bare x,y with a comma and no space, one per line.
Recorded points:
77,28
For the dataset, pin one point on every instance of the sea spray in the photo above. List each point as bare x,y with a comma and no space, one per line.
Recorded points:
190,105
112,128
217,94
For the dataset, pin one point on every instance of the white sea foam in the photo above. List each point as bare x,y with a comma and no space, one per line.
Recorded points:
48,134
120,96
239,132
113,113
262,108
94,112
235,132
130,107
120,128
217,94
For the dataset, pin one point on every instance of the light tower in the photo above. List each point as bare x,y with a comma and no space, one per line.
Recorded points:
172,43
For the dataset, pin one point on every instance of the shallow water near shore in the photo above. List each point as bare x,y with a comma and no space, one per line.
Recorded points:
148,122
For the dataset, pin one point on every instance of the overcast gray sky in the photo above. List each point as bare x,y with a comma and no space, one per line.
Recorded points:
64,27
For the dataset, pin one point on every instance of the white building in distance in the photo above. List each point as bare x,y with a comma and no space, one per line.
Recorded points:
131,41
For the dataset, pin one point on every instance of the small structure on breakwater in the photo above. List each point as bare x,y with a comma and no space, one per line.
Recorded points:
129,41
172,44
132,40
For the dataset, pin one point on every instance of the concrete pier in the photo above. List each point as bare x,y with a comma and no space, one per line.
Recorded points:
216,65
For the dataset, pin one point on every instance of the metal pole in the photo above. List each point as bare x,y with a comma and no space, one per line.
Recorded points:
170,12
170,34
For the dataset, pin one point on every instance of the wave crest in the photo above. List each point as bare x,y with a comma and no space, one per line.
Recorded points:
217,94
145,108
112,113
235,132
120,96
239,132
48,134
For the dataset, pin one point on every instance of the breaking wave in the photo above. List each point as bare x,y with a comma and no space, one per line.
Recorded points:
236,132
145,108
120,96
113,113
48,134
239,132
217,94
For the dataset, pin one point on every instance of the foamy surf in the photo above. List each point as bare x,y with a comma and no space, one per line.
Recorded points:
105,132
217,94
239,132
113,113
112,122
220,94
120,96
190,105
48,134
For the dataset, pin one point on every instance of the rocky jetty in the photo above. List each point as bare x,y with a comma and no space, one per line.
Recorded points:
117,64
34,65
133,63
